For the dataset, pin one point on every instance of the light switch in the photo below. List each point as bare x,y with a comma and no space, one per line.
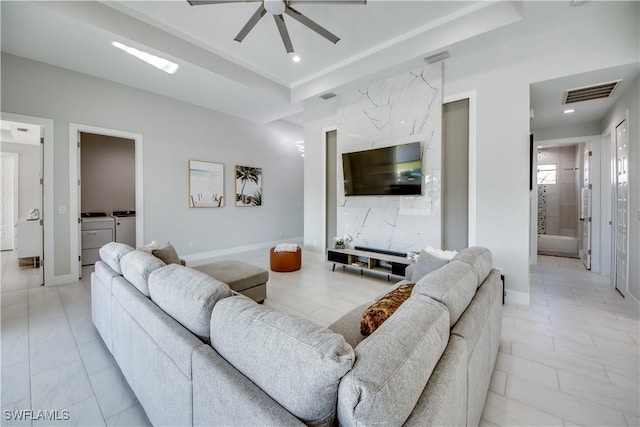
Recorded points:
62,209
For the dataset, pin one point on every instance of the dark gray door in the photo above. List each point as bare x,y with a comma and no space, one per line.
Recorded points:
455,175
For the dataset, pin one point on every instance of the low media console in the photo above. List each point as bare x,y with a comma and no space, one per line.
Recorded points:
385,262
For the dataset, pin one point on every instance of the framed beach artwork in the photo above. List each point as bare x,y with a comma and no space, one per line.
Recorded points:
206,184
248,186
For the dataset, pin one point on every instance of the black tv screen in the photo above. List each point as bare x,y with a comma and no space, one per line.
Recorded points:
388,171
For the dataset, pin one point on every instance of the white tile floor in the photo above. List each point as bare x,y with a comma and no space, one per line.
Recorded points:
570,358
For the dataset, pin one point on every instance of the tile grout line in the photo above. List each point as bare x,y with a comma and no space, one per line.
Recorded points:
84,366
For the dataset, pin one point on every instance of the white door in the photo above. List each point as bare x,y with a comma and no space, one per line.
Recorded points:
8,202
621,209
585,211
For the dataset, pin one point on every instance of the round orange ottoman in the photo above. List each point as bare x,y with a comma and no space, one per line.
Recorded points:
285,261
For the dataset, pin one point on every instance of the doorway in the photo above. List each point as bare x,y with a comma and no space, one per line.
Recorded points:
558,185
22,204
115,210
455,175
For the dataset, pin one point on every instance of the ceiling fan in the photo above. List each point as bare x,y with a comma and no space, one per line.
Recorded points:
278,8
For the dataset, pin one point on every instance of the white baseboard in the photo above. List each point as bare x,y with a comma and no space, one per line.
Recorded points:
515,297
204,257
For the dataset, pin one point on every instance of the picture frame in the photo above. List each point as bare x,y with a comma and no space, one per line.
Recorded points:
248,186
206,184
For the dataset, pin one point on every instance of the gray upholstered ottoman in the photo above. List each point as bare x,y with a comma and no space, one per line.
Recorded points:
241,277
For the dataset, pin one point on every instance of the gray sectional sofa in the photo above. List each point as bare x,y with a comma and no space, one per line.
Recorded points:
195,354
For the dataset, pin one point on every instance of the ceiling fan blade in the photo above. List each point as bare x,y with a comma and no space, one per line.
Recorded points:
282,27
329,1
311,24
251,23
204,2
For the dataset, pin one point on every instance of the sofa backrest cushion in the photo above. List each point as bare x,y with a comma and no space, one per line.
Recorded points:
112,253
394,364
298,363
187,295
480,260
136,267
104,272
453,285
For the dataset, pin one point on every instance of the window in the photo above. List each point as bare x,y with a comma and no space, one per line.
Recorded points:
547,174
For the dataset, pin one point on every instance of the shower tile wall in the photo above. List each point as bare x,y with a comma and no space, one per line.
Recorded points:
560,215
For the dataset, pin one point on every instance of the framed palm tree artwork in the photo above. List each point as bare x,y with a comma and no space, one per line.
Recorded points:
248,186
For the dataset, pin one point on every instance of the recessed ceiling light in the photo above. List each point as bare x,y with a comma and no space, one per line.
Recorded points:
569,111
295,57
161,63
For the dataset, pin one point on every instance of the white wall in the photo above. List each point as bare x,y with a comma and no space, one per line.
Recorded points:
582,129
174,132
599,35
108,181
29,159
630,103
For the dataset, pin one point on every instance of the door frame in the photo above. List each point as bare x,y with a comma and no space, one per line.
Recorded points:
614,207
595,194
46,132
74,175
606,203
472,96
325,130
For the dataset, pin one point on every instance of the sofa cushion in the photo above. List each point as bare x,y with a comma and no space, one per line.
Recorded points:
136,267
453,285
239,275
112,253
480,260
187,295
167,254
296,362
393,365
381,310
425,264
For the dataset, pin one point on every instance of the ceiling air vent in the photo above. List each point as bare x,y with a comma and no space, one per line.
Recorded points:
328,95
603,90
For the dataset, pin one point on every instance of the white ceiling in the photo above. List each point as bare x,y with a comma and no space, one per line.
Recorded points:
255,79
547,97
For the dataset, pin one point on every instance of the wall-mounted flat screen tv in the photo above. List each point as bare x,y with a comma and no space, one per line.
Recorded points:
388,171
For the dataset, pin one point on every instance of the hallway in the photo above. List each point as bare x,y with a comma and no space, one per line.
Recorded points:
571,356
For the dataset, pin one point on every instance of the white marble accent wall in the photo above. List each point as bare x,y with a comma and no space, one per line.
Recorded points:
400,110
